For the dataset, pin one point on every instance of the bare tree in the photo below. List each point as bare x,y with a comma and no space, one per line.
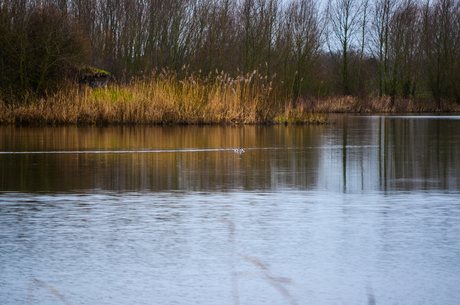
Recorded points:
383,12
344,19
440,41
258,19
403,49
301,41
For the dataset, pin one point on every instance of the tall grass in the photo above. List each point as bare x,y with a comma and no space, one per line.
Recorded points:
165,97
351,104
161,98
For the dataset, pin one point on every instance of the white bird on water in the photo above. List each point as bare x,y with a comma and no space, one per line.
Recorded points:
239,150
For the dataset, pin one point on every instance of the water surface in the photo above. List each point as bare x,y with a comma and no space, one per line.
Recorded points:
365,211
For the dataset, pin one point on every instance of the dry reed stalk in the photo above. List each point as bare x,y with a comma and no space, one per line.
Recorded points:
218,99
275,282
46,286
348,104
159,100
301,115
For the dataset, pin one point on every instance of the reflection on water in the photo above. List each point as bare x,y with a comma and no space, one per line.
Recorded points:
365,210
158,158
358,154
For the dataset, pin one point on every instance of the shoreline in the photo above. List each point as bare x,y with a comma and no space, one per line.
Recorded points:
168,102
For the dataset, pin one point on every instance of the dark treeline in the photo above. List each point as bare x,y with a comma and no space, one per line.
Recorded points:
379,48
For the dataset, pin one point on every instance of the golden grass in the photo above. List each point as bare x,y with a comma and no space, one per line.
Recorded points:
159,99
164,98
301,115
350,104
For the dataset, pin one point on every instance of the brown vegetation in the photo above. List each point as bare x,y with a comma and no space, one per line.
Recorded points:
350,104
163,99
38,46
350,56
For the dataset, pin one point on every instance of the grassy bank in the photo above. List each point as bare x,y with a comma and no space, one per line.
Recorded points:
164,98
349,104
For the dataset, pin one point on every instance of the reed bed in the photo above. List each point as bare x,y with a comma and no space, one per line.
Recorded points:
165,97
351,104
162,98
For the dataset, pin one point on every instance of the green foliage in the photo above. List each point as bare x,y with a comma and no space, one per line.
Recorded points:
112,95
91,71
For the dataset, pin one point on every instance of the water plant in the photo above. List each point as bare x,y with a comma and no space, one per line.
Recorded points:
162,98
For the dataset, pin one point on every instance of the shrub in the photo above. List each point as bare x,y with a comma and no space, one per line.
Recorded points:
38,45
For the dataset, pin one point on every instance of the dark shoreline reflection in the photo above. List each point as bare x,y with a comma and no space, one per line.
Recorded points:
356,154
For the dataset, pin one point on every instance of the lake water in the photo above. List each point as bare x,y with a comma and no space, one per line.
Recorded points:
364,211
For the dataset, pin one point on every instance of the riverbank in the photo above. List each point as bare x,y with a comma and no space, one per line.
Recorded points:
165,100
349,104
